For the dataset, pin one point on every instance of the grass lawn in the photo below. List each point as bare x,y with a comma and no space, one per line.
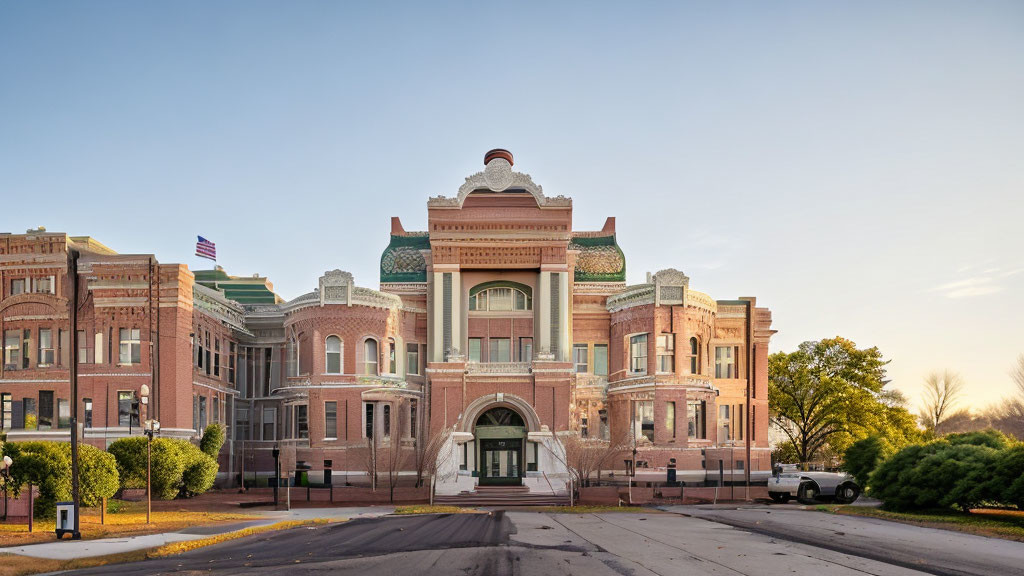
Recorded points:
129,521
998,523
15,565
435,509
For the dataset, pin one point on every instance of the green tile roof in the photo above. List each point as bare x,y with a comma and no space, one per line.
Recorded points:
600,259
402,260
241,289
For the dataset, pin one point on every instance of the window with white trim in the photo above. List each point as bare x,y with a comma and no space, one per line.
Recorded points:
666,349
45,357
131,347
412,358
370,357
725,362
333,347
579,358
638,354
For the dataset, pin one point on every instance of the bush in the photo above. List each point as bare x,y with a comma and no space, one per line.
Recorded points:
934,475
213,439
97,475
1008,476
48,466
200,471
863,456
991,438
179,468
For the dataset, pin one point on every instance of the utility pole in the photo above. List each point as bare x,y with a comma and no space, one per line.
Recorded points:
73,372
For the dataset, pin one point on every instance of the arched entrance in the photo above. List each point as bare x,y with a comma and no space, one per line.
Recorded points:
500,432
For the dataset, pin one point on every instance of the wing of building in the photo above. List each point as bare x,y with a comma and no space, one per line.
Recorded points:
500,329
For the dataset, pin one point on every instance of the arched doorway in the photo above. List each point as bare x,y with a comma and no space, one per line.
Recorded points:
500,432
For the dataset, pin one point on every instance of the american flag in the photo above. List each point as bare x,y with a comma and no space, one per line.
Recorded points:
206,249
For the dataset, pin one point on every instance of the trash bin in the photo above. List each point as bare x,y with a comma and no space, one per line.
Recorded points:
671,472
65,519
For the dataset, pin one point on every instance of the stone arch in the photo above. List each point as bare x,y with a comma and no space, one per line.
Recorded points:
484,403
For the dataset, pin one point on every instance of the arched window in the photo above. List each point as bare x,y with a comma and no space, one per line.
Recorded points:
500,297
333,355
392,357
694,357
500,416
370,357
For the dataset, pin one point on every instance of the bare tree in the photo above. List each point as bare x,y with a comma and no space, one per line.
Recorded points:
584,456
942,391
365,457
431,455
391,452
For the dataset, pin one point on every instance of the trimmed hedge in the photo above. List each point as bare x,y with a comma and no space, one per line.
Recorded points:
48,465
864,455
961,470
179,468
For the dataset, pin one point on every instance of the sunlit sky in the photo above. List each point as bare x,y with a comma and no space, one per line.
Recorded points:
857,166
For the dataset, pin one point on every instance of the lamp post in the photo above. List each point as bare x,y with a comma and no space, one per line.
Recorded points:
151,427
5,471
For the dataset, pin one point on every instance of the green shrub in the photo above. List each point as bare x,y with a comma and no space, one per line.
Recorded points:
48,466
179,467
1008,476
97,475
200,471
863,456
991,438
936,475
213,439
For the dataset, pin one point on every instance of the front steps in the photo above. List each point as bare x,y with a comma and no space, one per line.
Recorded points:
503,496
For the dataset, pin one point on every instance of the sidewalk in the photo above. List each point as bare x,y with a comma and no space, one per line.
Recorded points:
70,549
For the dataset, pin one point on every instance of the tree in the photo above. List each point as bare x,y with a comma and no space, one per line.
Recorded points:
432,455
48,466
391,452
584,456
1018,377
942,391
830,394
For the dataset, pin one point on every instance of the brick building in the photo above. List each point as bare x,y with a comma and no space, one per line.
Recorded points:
500,323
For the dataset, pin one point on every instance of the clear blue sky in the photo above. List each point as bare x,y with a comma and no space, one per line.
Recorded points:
858,166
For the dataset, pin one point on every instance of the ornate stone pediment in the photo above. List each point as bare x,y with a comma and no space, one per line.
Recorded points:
498,176
335,287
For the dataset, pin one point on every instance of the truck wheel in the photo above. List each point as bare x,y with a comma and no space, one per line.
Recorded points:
780,497
847,493
807,493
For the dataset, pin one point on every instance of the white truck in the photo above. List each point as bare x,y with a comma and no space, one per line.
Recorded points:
788,482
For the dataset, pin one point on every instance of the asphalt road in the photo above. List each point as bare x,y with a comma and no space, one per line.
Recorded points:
530,543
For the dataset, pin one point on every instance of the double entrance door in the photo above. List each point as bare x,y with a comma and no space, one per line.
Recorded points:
501,462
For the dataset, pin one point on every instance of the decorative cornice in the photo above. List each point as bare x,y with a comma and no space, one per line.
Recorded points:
636,295
498,176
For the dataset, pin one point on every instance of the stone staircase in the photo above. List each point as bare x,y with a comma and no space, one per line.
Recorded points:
503,496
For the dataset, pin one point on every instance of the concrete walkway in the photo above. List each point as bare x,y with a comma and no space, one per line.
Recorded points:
70,549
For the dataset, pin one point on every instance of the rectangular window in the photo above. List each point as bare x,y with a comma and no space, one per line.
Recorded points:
130,346
45,409
526,349
724,423
63,413
579,358
232,359
725,362
269,423
584,428
666,353
475,344
83,347
386,420
330,420
31,422
202,414
98,350
601,359
392,358
126,415
602,416
26,346
45,285
638,354
368,412
694,357
242,421
87,412
644,419
499,350
216,357
17,286
206,346
739,422
302,421
45,357
670,417
6,411
216,409
12,350
412,358
695,416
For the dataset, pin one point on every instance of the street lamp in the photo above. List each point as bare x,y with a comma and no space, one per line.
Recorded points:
5,471
150,428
